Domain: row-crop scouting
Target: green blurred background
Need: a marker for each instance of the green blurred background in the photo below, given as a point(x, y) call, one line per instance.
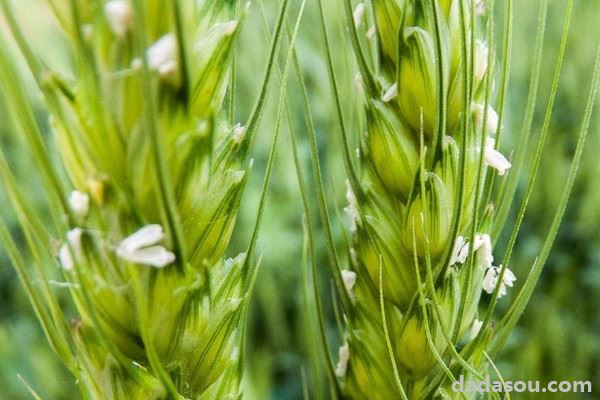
point(557, 339)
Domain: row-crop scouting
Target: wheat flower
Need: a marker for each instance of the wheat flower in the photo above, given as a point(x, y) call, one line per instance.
point(491, 280)
point(141, 247)
point(343, 357)
point(479, 111)
point(475, 328)
point(390, 93)
point(119, 15)
point(71, 251)
point(79, 203)
point(349, 278)
point(162, 55)
point(495, 159)
point(460, 251)
point(359, 14)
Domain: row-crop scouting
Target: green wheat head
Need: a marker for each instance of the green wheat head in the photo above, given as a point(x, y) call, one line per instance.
point(429, 199)
point(422, 157)
point(153, 174)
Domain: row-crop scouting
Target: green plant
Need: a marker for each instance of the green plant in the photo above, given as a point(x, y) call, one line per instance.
point(429, 199)
point(143, 198)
